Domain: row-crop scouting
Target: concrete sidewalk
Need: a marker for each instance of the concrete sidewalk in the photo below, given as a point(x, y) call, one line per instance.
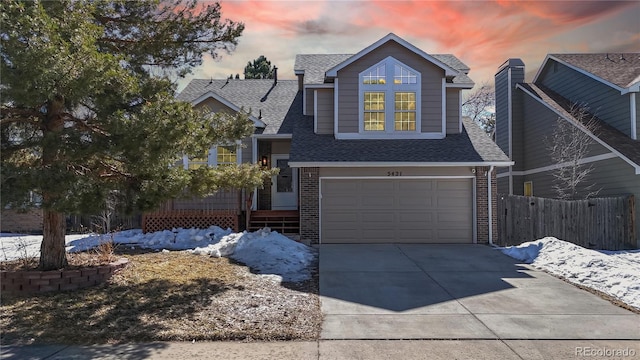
point(338, 350)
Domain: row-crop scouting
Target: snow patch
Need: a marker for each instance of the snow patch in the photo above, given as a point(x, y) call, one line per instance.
point(616, 273)
point(267, 252)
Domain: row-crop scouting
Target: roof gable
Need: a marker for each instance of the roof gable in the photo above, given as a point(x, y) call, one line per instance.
point(619, 71)
point(274, 106)
point(449, 70)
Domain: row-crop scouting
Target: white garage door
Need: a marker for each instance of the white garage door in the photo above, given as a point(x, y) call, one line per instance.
point(396, 210)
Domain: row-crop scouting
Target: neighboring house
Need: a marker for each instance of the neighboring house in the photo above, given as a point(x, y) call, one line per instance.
point(526, 114)
point(371, 147)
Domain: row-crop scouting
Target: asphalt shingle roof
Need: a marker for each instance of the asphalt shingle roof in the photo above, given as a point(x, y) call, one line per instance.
point(280, 105)
point(316, 65)
point(472, 145)
point(605, 132)
point(620, 69)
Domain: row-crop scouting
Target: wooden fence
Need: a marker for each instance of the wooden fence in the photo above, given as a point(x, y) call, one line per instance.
point(598, 223)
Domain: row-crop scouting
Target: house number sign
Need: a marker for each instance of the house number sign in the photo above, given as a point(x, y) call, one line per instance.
point(394, 173)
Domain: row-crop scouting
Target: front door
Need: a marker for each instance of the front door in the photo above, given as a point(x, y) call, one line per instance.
point(284, 188)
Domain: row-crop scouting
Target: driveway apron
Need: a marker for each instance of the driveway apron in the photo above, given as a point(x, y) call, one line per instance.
point(396, 291)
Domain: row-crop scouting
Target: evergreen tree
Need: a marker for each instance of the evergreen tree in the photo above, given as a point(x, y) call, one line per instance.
point(88, 109)
point(260, 68)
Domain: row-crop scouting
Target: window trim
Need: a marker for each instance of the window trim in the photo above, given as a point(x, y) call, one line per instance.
point(390, 89)
point(212, 155)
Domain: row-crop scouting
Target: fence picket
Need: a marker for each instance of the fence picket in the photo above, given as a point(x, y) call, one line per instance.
point(600, 223)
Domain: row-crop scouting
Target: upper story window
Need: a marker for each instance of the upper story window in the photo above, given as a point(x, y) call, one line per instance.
point(375, 75)
point(389, 95)
point(217, 156)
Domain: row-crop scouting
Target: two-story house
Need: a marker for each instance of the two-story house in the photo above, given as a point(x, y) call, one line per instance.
point(607, 85)
point(372, 147)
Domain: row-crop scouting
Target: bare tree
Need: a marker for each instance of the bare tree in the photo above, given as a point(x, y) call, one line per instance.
point(567, 146)
point(479, 105)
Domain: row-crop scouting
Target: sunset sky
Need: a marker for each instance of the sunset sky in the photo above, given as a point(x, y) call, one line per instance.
point(483, 34)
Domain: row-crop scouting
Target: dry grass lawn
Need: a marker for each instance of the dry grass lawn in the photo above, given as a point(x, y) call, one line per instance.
point(168, 296)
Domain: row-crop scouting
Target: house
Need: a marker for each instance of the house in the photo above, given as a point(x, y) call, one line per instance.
point(372, 146)
point(526, 114)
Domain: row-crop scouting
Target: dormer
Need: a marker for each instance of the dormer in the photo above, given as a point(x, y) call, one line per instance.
point(389, 90)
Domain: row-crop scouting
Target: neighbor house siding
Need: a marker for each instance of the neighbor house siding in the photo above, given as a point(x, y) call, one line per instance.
point(601, 100)
point(539, 127)
point(453, 111)
point(431, 92)
point(612, 177)
point(324, 115)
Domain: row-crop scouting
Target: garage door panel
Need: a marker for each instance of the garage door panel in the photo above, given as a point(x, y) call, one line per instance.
point(396, 210)
point(341, 202)
point(380, 234)
point(380, 201)
point(415, 201)
point(453, 184)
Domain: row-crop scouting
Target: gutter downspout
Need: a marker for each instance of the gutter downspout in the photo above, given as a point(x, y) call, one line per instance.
point(490, 202)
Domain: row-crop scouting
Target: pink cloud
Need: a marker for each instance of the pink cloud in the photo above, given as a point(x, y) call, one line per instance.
point(481, 33)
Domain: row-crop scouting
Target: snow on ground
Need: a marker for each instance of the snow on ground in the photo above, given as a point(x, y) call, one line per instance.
point(267, 252)
point(616, 273)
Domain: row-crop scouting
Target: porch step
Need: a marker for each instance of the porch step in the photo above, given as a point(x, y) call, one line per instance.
point(282, 221)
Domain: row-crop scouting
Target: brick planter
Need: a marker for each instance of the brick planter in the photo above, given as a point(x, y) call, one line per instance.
point(32, 282)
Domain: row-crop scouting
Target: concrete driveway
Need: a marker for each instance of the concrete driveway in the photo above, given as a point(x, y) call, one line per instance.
point(388, 291)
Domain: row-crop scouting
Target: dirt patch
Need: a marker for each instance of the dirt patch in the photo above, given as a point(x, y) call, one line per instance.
point(174, 296)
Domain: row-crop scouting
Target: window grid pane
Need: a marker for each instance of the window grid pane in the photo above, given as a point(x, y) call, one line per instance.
point(404, 76)
point(375, 76)
point(405, 111)
point(226, 155)
point(374, 121)
point(196, 163)
point(374, 111)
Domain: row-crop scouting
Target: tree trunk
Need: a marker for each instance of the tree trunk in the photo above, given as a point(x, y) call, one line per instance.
point(52, 251)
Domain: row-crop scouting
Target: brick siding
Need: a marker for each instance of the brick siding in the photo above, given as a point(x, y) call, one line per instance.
point(309, 205)
point(481, 205)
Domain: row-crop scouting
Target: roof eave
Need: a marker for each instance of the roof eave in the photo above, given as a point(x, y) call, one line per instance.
point(397, 163)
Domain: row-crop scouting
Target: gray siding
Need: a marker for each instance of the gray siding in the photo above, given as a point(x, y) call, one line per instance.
point(603, 101)
point(325, 111)
point(308, 109)
point(453, 111)
point(431, 93)
point(539, 127)
point(247, 150)
point(281, 146)
point(613, 176)
point(637, 116)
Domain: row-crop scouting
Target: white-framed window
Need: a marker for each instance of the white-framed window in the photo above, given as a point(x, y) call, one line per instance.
point(389, 94)
point(219, 155)
point(528, 188)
